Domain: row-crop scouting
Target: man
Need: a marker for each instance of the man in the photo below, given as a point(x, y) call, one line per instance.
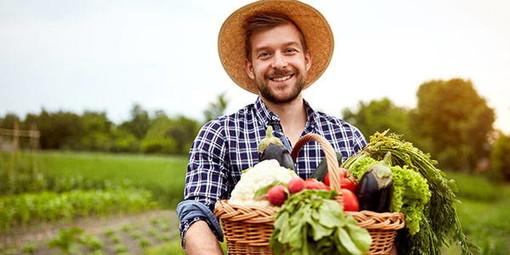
point(274, 49)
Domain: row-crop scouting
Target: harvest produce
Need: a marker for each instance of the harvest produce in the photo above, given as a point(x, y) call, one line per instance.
point(347, 181)
point(263, 175)
point(430, 223)
point(310, 222)
point(276, 195)
point(350, 201)
point(296, 185)
point(375, 187)
point(272, 148)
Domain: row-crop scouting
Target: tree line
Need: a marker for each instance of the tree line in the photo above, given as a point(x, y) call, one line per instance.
point(451, 121)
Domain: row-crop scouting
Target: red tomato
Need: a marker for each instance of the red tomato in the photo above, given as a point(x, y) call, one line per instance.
point(350, 201)
point(346, 180)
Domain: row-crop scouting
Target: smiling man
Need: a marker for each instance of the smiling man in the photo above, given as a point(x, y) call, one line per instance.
point(274, 49)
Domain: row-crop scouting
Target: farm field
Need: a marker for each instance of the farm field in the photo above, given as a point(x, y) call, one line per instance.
point(152, 229)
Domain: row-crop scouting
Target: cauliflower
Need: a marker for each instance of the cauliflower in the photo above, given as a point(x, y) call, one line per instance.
point(259, 176)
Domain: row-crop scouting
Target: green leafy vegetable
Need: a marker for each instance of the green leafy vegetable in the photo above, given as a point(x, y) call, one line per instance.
point(440, 224)
point(310, 222)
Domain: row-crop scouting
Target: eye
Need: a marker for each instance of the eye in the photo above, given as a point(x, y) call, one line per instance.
point(263, 55)
point(290, 50)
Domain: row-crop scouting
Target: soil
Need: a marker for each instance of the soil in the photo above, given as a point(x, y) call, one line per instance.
point(40, 234)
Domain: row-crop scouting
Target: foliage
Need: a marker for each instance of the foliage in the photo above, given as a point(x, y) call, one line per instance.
point(139, 122)
point(484, 213)
point(379, 115)
point(66, 240)
point(441, 225)
point(162, 175)
point(93, 131)
point(216, 109)
point(22, 173)
point(454, 123)
point(28, 208)
point(500, 157)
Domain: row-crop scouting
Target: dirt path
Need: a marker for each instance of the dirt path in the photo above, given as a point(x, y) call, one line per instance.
point(91, 225)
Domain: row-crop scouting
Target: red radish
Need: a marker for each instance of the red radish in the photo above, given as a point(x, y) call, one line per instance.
point(312, 183)
point(276, 195)
point(296, 185)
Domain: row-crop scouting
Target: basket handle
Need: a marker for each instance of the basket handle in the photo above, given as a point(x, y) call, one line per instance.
point(333, 167)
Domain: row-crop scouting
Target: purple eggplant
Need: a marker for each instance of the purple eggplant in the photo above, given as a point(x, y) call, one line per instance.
point(375, 187)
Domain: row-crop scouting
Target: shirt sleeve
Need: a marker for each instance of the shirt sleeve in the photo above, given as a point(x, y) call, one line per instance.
point(207, 171)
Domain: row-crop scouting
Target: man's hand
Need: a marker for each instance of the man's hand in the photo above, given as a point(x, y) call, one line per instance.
point(199, 239)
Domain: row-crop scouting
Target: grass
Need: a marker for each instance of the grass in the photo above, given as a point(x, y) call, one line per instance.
point(483, 210)
point(162, 175)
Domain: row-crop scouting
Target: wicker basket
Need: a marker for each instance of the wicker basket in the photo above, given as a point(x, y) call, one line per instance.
point(247, 229)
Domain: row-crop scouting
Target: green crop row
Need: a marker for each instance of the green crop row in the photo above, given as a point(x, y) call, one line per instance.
point(25, 209)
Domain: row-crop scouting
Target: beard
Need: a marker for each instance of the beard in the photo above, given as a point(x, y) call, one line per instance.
point(271, 96)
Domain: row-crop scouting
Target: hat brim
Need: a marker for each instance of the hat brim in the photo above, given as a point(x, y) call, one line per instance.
point(315, 28)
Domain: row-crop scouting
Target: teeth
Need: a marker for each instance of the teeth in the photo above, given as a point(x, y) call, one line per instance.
point(284, 78)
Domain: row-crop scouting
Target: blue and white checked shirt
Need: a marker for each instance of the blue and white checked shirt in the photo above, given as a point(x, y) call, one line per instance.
point(228, 145)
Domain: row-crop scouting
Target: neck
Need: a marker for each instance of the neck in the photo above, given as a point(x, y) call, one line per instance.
point(292, 117)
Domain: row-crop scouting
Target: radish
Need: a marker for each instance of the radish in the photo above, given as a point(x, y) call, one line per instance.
point(296, 185)
point(276, 195)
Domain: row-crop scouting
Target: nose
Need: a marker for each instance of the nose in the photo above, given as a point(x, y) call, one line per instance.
point(279, 61)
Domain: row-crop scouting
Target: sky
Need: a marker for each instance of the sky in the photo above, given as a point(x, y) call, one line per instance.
point(107, 55)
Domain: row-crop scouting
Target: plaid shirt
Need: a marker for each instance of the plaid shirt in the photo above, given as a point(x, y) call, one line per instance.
point(228, 145)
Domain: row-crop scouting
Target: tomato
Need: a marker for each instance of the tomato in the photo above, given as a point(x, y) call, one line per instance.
point(346, 180)
point(351, 203)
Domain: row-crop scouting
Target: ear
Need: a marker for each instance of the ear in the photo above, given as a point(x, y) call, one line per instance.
point(248, 66)
point(308, 60)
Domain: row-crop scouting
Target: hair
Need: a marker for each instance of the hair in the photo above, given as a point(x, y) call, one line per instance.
point(265, 21)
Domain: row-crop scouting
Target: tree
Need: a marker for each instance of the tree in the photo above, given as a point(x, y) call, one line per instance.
point(379, 115)
point(97, 131)
point(453, 122)
point(500, 160)
point(216, 109)
point(139, 122)
point(60, 130)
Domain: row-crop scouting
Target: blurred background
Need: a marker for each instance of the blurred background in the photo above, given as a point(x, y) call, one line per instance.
point(100, 101)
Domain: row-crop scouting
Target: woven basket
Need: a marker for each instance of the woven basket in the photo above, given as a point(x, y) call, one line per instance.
point(247, 229)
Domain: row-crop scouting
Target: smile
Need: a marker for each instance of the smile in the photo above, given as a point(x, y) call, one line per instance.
point(283, 78)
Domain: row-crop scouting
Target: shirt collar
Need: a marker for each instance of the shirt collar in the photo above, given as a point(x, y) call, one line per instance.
point(266, 117)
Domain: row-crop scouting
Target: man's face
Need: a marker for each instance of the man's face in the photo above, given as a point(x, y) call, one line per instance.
point(279, 64)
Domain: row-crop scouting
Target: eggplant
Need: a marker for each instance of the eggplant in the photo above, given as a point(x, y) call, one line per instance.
point(271, 147)
point(375, 187)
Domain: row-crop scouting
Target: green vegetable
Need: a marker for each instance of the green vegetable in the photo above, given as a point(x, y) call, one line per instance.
point(310, 222)
point(440, 224)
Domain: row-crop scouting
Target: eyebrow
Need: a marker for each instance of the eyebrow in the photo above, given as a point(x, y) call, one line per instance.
point(292, 43)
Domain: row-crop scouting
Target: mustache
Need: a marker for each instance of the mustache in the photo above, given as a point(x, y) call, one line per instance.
point(282, 72)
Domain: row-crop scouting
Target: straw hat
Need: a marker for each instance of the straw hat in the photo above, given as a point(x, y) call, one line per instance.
point(316, 30)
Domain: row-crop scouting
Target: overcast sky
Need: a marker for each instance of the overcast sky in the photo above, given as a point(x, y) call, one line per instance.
point(106, 55)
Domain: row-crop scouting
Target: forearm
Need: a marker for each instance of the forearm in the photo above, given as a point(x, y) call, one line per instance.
point(199, 239)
